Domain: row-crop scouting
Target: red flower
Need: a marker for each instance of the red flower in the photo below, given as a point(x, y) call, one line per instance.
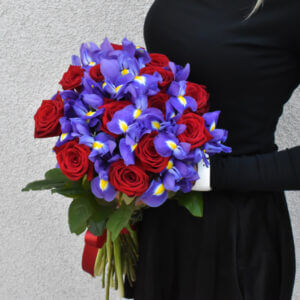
point(95, 73)
point(72, 78)
point(110, 108)
point(158, 60)
point(166, 75)
point(199, 93)
point(195, 133)
point(159, 101)
point(117, 46)
point(131, 180)
point(73, 160)
point(47, 118)
point(148, 158)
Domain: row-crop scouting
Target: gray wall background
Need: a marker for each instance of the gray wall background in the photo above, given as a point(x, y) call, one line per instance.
point(39, 258)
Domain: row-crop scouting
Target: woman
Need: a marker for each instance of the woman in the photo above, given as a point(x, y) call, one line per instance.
point(243, 247)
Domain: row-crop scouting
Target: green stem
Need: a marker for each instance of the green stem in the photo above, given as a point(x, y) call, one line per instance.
point(109, 259)
point(118, 266)
point(133, 236)
point(98, 262)
point(103, 267)
point(108, 281)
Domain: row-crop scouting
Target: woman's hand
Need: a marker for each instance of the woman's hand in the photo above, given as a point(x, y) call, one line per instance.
point(203, 183)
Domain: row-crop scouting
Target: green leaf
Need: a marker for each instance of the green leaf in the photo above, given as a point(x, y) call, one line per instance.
point(56, 175)
point(127, 199)
point(193, 202)
point(96, 227)
point(42, 185)
point(70, 192)
point(97, 221)
point(119, 219)
point(80, 211)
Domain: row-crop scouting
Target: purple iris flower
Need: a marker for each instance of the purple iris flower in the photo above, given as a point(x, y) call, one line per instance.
point(91, 116)
point(195, 156)
point(177, 174)
point(219, 135)
point(178, 101)
point(69, 98)
point(66, 131)
point(90, 86)
point(139, 53)
point(167, 145)
point(142, 57)
point(101, 144)
point(145, 84)
point(115, 83)
point(121, 120)
point(88, 54)
point(180, 73)
point(76, 60)
point(93, 100)
point(156, 194)
point(79, 127)
point(152, 119)
point(101, 187)
point(127, 147)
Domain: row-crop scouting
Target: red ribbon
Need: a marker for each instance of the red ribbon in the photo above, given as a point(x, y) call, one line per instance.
point(92, 245)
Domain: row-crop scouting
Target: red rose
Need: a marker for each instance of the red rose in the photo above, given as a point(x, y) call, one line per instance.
point(47, 118)
point(73, 160)
point(166, 75)
point(199, 93)
point(72, 78)
point(110, 108)
point(195, 133)
point(95, 73)
point(131, 180)
point(159, 60)
point(159, 101)
point(148, 158)
point(117, 46)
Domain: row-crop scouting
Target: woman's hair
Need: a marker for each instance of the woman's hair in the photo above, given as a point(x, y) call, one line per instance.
point(255, 8)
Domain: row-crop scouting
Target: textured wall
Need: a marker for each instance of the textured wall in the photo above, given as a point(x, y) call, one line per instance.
point(39, 258)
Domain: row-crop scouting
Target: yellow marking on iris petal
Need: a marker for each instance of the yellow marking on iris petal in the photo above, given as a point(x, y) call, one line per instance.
point(155, 125)
point(170, 164)
point(90, 113)
point(182, 100)
point(137, 113)
point(133, 147)
point(103, 184)
point(63, 136)
point(204, 150)
point(97, 145)
point(172, 145)
point(92, 63)
point(92, 86)
point(103, 84)
point(159, 190)
point(140, 79)
point(125, 71)
point(123, 125)
point(118, 88)
point(173, 115)
point(212, 126)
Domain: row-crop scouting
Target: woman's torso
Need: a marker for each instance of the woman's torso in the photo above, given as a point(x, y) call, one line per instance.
point(250, 67)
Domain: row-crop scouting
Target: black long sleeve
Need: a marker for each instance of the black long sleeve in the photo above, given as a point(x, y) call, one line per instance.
point(274, 171)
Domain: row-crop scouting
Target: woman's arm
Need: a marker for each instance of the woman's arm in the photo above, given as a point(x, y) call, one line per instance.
point(275, 171)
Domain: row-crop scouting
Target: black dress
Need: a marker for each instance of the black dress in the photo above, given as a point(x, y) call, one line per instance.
point(243, 247)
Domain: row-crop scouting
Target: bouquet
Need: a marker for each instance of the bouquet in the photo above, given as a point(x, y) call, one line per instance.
point(131, 131)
